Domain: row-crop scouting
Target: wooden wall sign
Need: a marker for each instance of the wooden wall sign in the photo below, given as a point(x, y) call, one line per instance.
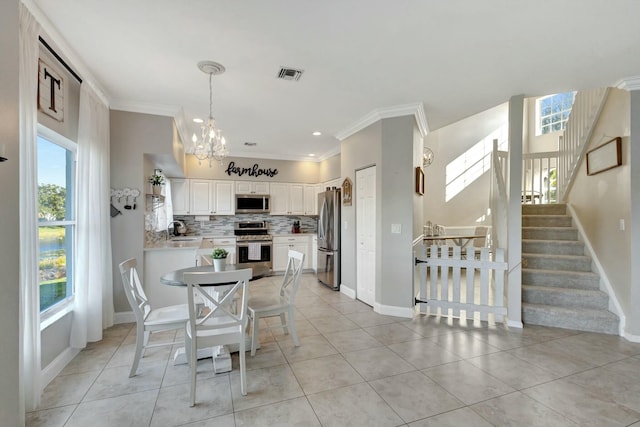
point(347, 189)
point(50, 91)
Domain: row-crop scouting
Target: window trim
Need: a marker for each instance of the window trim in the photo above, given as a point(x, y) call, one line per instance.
point(538, 115)
point(66, 305)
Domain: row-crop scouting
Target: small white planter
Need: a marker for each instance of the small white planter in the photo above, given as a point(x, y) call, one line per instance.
point(219, 264)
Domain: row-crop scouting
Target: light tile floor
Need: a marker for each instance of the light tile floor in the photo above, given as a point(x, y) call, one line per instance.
point(357, 368)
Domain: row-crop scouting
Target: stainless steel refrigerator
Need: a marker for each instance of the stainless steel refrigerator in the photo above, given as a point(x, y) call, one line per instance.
point(329, 238)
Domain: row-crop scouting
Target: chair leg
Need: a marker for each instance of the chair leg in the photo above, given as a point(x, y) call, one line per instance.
point(243, 369)
point(254, 333)
point(292, 325)
point(193, 365)
point(140, 339)
point(283, 322)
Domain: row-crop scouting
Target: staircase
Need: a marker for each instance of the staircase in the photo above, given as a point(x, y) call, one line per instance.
point(559, 288)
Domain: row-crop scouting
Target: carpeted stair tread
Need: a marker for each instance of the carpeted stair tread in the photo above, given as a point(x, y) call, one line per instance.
point(582, 319)
point(561, 278)
point(565, 297)
point(566, 247)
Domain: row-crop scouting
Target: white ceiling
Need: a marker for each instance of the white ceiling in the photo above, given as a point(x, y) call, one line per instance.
point(456, 57)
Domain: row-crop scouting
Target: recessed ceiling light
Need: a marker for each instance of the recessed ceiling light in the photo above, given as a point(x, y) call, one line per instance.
point(317, 133)
point(250, 144)
point(312, 155)
point(198, 120)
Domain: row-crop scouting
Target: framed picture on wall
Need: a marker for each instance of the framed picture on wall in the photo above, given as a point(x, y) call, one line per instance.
point(606, 156)
point(419, 181)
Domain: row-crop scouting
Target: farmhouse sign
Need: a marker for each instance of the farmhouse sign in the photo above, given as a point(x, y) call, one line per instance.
point(254, 171)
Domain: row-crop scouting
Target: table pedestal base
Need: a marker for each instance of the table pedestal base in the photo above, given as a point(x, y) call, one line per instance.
point(221, 355)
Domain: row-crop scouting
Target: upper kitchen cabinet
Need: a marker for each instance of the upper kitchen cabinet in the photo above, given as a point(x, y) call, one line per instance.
point(224, 198)
point(209, 197)
point(311, 199)
point(287, 199)
point(251, 187)
point(180, 196)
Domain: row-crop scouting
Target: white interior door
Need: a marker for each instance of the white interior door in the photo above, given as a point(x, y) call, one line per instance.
point(366, 235)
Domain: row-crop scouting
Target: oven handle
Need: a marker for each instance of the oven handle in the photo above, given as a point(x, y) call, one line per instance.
point(246, 245)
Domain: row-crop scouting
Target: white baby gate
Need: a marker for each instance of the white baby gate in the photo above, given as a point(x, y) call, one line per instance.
point(441, 271)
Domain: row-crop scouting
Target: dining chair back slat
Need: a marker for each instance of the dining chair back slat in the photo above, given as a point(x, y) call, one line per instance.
point(215, 321)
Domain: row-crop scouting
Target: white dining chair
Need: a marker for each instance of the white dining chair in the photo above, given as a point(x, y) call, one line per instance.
point(281, 304)
point(148, 320)
point(216, 323)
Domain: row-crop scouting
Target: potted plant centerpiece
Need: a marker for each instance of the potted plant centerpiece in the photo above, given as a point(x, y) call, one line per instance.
point(219, 256)
point(157, 181)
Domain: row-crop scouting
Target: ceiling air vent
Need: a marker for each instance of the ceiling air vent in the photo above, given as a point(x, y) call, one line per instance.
point(290, 74)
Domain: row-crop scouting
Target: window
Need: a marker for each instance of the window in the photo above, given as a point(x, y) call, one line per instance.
point(552, 112)
point(56, 218)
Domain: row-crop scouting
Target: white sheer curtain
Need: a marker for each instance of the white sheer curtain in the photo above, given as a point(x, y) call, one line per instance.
point(93, 309)
point(29, 285)
point(164, 212)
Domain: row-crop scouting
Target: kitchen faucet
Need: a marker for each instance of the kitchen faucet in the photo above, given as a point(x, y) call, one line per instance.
point(180, 228)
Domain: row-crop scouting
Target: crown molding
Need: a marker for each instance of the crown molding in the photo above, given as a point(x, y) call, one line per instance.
point(145, 107)
point(629, 83)
point(414, 109)
point(329, 154)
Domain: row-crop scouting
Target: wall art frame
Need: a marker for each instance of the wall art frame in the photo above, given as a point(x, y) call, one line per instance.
point(604, 157)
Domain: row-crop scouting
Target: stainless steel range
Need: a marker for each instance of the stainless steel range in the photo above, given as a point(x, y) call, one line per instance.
point(254, 247)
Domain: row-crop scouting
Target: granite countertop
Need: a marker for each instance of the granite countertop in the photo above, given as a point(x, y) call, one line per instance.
point(188, 242)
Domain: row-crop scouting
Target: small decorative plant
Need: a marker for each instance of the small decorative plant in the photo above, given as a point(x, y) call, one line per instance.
point(219, 253)
point(156, 179)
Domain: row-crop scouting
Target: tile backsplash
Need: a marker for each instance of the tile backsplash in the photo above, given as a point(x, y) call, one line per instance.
point(223, 225)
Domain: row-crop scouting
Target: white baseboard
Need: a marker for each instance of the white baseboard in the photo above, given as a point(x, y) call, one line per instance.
point(348, 291)
point(605, 284)
point(514, 324)
point(124, 317)
point(390, 310)
point(57, 365)
point(631, 337)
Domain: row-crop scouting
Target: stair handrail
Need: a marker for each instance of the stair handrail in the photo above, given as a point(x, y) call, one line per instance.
point(585, 112)
point(499, 200)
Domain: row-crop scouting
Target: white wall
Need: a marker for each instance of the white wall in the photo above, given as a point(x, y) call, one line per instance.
point(132, 136)
point(358, 151)
point(11, 405)
point(329, 169)
point(389, 145)
point(602, 200)
point(448, 143)
point(288, 170)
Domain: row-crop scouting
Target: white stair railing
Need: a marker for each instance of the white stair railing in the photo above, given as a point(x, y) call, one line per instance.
point(499, 201)
point(539, 177)
point(584, 115)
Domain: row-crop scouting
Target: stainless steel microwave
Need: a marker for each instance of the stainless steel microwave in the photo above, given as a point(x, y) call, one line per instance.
point(252, 203)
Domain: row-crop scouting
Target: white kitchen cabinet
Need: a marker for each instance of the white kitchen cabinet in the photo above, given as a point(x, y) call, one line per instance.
point(287, 199)
point(252, 187)
point(281, 247)
point(310, 200)
point(337, 182)
point(200, 191)
point(223, 198)
point(208, 197)
point(180, 196)
point(296, 199)
point(279, 198)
